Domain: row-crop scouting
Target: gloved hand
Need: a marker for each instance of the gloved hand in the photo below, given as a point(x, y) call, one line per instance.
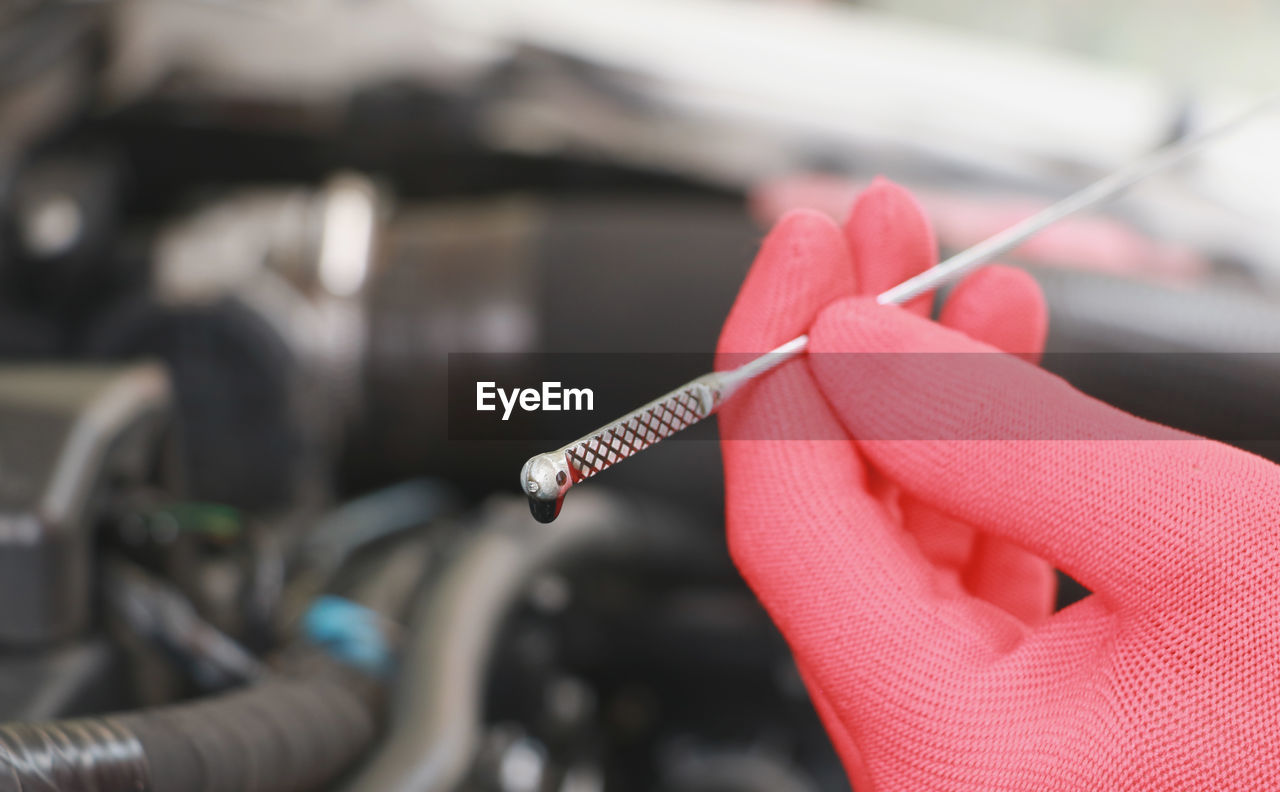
point(892, 524)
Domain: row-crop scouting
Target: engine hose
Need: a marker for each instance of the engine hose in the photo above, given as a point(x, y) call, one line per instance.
point(438, 700)
point(278, 736)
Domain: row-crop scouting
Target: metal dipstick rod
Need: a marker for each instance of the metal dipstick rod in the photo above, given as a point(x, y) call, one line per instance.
point(546, 477)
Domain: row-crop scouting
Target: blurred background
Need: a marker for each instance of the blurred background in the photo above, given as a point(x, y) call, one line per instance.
point(239, 241)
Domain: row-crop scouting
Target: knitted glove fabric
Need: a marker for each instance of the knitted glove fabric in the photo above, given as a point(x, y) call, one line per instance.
point(892, 520)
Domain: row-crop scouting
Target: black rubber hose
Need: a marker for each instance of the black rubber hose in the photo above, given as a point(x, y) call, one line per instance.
point(87, 754)
point(278, 736)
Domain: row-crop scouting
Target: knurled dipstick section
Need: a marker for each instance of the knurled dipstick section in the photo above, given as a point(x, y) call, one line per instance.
point(632, 434)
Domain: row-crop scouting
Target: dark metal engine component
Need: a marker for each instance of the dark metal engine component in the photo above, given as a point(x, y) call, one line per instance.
point(255, 306)
point(67, 435)
point(436, 720)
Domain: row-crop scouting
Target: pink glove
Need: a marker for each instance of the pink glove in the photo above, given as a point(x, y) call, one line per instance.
point(895, 566)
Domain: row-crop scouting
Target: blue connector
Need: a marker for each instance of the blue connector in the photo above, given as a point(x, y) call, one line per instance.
point(352, 633)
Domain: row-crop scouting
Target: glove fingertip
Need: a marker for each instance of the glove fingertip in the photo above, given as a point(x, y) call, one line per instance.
point(1001, 306)
point(802, 264)
point(886, 196)
point(891, 239)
